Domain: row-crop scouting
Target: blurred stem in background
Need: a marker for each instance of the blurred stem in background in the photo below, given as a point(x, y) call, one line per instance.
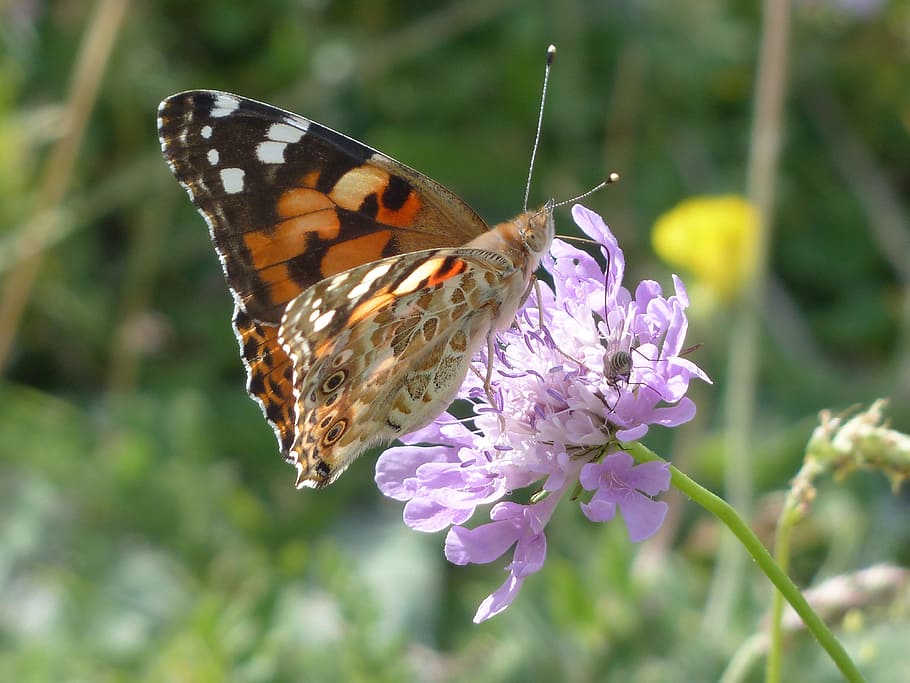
point(739, 400)
point(94, 54)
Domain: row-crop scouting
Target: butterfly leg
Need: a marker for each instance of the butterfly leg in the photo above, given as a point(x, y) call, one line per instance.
point(487, 377)
point(488, 380)
point(536, 286)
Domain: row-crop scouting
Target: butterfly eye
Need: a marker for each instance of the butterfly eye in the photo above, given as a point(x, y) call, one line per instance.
point(532, 239)
point(335, 432)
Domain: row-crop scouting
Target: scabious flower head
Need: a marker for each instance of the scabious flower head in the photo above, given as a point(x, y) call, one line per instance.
point(602, 368)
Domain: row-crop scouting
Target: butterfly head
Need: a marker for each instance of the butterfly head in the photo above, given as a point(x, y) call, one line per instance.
point(538, 230)
point(523, 240)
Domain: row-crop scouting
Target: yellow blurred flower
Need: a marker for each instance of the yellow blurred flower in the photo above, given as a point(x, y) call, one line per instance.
point(713, 238)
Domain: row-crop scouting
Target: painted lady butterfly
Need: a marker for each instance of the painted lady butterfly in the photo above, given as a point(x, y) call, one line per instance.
point(362, 288)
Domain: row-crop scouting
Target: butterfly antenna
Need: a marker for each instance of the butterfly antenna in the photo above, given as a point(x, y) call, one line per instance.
point(580, 240)
point(551, 53)
point(612, 178)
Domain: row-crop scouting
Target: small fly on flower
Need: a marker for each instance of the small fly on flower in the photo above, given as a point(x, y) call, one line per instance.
point(625, 353)
point(619, 345)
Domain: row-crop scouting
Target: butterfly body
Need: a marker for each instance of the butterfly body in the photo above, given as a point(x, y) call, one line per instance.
point(362, 288)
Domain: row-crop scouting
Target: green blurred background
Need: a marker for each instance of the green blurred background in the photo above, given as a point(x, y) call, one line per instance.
point(148, 529)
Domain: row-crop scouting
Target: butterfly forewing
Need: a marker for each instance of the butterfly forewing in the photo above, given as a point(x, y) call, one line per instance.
point(290, 202)
point(270, 376)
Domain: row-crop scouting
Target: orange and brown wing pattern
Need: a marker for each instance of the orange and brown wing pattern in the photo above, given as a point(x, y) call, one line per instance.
point(290, 202)
point(270, 376)
point(415, 324)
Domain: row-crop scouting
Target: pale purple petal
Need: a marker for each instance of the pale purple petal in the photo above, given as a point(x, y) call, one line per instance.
point(643, 517)
point(599, 509)
point(481, 545)
point(675, 415)
point(648, 293)
point(676, 331)
point(499, 600)
point(632, 434)
point(432, 433)
point(571, 262)
point(422, 514)
point(530, 553)
point(681, 294)
point(649, 477)
point(592, 225)
point(397, 465)
point(617, 481)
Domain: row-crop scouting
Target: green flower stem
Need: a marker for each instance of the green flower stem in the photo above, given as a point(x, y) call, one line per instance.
point(726, 514)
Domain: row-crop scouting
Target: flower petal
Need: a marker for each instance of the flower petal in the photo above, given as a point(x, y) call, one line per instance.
point(481, 545)
point(649, 477)
point(643, 516)
point(399, 464)
point(422, 514)
point(499, 600)
point(599, 509)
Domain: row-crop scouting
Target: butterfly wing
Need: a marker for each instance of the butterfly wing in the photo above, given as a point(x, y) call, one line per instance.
point(416, 322)
point(288, 203)
point(270, 377)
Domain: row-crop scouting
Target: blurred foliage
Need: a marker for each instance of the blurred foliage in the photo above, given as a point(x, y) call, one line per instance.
point(148, 530)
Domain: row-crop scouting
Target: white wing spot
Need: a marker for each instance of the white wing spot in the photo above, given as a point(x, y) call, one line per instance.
point(323, 320)
point(206, 132)
point(317, 303)
point(271, 152)
point(232, 180)
point(359, 291)
point(337, 281)
point(213, 157)
point(315, 314)
point(224, 105)
point(282, 132)
point(368, 280)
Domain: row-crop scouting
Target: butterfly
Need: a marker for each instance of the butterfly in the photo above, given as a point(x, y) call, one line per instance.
point(362, 288)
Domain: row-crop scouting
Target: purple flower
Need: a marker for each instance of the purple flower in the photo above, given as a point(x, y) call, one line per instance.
point(563, 397)
point(616, 481)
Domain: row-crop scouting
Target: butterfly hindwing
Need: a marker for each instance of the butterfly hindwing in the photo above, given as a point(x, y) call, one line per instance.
point(417, 322)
